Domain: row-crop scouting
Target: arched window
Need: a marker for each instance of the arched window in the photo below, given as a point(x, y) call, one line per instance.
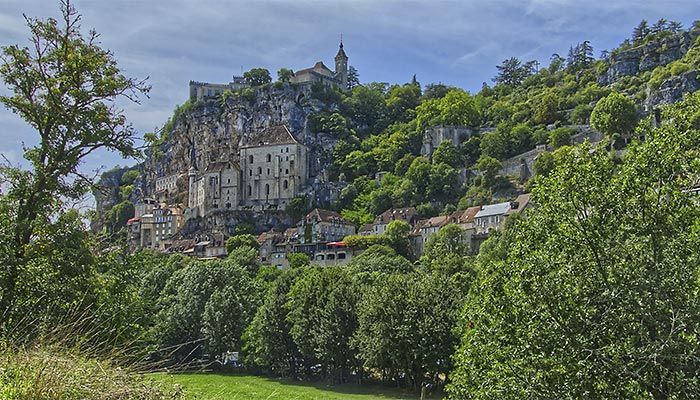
point(250, 190)
point(250, 159)
point(267, 190)
point(268, 171)
point(269, 158)
point(259, 170)
point(285, 184)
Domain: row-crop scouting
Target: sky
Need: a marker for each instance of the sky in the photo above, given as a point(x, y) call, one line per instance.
point(457, 43)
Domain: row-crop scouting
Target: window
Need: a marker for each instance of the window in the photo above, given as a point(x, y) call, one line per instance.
point(291, 164)
point(286, 158)
point(269, 158)
point(268, 171)
point(259, 170)
point(286, 171)
point(341, 256)
point(267, 190)
point(331, 257)
point(250, 159)
point(229, 180)
point(251, 172)
point(285, 184)
point(250, 189)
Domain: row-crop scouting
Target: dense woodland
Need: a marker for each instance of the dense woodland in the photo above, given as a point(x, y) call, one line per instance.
point(590, 294)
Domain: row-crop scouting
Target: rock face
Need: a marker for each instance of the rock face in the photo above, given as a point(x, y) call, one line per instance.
point(211, 130)
point(672, 90)
point(647, 57)
point(107, 194)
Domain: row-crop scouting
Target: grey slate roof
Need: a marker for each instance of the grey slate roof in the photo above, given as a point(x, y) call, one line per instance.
point(278, 134)
point(493, 209)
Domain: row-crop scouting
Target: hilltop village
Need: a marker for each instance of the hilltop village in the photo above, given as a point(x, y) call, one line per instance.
point(271, 168)
point(268, 158)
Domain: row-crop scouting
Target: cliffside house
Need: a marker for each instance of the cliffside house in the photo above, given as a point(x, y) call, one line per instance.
point(407, 214)
point(274, 168)
point(322, 226)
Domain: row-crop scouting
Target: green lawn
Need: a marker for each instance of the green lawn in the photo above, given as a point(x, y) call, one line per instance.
point(210, 386)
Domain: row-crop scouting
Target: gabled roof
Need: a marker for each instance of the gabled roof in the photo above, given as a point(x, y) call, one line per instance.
point(467, 215)
point(321, 215)
point(519, 204)
point(367, 228)
point(277, 134)
point(407, 214)
point(318, 67)
point(439, 221)
point(493, 209)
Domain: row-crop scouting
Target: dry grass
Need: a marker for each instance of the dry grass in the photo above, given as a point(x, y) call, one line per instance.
point(46, 372)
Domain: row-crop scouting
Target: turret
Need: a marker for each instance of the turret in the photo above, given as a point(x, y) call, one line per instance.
point(341, 66)
point(191, 189)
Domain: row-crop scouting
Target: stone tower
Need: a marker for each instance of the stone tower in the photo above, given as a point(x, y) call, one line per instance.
point(341, 66)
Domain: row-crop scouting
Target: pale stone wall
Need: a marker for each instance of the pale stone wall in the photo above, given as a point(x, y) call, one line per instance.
point(273, 174)
point(166, 183)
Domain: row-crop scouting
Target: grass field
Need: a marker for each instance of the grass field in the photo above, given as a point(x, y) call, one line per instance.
point(210, 386)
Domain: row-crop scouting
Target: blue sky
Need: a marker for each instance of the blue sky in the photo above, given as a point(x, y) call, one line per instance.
point(454, 42)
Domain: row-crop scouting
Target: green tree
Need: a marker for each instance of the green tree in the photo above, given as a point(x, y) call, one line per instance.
point(353, 77)
point(614, 115)
point(367, 109)
point(405, 325)
point(489, 167)
point(560, 137)
point(511, 72)
point(285, 75)
point(323, 319)
point(244, 240)
point(268, 343)
point(401, 102)
point(593, 293)
point(397, 232)
point(209, 302)
point(64, 86)
point(298, 260)
point(257, 77)
point(447, 153)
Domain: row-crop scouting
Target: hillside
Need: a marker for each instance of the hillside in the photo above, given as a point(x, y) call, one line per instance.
point(366, 146)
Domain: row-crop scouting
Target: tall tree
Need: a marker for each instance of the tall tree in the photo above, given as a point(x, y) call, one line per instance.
point(64, 86)
point(593, 294)
point(511, 72)
point(285, 74)
point(353, 77)
point(257, 76)
point(614, 115)
point(640, 32)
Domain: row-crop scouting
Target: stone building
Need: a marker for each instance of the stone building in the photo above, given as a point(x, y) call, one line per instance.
point(432, 137)
point(320, 226)
point(274, 168)
point(407, 214)
point(155, 228)
point(320, 73)
point(201, 90)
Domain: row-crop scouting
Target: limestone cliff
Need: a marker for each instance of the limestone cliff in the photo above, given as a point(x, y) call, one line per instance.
point(651, 59)
point(210, 130)
point(647, 57)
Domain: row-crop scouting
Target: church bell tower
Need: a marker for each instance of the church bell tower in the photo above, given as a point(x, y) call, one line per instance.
point(341, 66)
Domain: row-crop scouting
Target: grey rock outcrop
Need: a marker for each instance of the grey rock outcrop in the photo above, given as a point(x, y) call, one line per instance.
point(647, 57)
point(672, 90)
